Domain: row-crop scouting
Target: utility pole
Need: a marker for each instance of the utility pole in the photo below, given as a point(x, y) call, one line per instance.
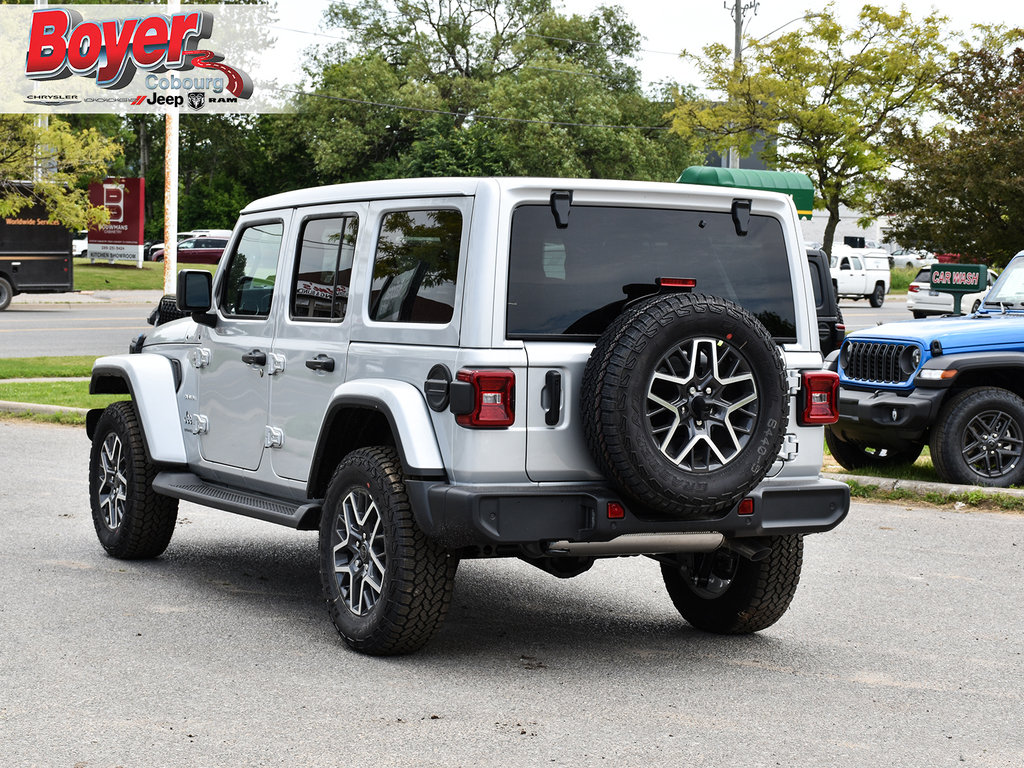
point(171, 134)
point(738, 9)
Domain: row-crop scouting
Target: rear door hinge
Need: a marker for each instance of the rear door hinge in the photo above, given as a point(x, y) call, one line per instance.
point(794, 380)
point(790, 447)
point(273, 438)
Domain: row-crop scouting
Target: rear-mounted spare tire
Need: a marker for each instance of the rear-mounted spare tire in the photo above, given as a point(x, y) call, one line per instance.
point(685, 404)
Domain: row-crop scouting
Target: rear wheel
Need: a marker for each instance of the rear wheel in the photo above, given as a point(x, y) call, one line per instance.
point(387, 585)
point(726, 593)
point(6, 293)
point(877, 297)
point(857, 455)
point(132, 520)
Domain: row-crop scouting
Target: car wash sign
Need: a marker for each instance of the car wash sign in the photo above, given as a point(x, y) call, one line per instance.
point(120, 239)
point(959, 279)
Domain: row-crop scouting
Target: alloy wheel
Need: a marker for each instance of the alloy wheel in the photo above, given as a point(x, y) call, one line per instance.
point(359, 552)
point(113, 481)
point(992, 444)
point(702, 404)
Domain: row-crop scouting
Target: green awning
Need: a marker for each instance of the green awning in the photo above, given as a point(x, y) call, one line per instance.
point(796, 185)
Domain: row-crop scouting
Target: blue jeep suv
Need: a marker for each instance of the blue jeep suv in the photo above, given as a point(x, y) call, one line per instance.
point(953, 383)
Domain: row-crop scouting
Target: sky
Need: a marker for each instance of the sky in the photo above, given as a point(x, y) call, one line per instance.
point(670, 27)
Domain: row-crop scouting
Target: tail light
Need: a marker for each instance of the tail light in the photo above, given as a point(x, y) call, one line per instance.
point(492, 401)
point(913, 288)
point(819, 398)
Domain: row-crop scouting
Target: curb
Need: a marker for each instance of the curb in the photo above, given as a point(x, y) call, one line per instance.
point(12, 407)
point(922, 488)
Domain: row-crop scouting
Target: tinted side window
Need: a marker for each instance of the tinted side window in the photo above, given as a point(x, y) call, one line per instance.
point(249, 286)
point(326, 247)
point(576, 281)
point(415, 267)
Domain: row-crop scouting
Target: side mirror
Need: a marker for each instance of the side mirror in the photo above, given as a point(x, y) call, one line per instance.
point(195, 295)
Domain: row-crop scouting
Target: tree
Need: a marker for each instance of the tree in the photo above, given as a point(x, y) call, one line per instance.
point(60, 161)
point(963, 190)
point(503, 87)
point(832, 99)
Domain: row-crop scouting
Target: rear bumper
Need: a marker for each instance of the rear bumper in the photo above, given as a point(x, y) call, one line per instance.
point(490, 517)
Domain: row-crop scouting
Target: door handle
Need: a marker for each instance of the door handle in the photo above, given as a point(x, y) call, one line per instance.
point(321, 363)
point(553, 385)
point(255, 357)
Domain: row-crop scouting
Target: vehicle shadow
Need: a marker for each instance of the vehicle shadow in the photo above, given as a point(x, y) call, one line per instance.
point(502, 610)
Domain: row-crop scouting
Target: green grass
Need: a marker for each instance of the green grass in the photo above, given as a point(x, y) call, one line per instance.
point(103, 276)
point(901, 278)
point(69, 394)
point(974, 500)
point(36, 367)
point(61, 417)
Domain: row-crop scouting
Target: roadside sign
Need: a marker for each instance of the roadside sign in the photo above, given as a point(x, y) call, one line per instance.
point(121, 238)
point(958, 279)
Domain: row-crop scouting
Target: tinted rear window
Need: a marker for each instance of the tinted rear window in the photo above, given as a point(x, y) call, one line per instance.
point(575, 281)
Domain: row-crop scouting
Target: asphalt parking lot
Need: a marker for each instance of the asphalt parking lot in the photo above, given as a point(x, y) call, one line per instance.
point(902, 648)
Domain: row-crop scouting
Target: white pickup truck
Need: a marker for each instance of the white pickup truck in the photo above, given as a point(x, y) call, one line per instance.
point(860, 273)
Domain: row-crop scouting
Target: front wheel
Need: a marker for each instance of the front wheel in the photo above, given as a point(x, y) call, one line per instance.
point(979, 438)
point(132, 520)
point(877, 297)
point(728, 594)
point(387, 585)
point(859, 455)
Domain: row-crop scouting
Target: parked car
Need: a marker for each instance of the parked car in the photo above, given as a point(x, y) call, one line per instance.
point(903, 258)
point(859, 273)
point(80, 244)
point(199, 250)
point(157, 249)
point(922, 301)
point(831, 329)
point(429, 370)
point(955, 384)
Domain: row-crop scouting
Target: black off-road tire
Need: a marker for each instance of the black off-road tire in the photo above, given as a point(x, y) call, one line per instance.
point(877, 297)
point(728, 594)
point(6, 294)
point(978, 438)
point(859, 455)
point(132, 521)
point(387, 586)
point(650, 425)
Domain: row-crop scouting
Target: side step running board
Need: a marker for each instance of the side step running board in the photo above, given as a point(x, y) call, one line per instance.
point(190, 487)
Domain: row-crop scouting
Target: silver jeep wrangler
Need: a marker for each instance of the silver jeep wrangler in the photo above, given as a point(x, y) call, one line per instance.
point(435, 369)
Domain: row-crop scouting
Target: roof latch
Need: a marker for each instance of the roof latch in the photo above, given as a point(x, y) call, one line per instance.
point(741, 216)
point(561, 202)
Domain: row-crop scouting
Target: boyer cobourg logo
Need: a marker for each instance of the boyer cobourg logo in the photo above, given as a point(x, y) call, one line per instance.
point(114, 51)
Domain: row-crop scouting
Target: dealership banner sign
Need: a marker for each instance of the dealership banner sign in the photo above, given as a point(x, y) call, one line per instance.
point(136, 58)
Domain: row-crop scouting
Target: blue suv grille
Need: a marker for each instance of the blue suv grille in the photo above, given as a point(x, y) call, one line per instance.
point(873, 362)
